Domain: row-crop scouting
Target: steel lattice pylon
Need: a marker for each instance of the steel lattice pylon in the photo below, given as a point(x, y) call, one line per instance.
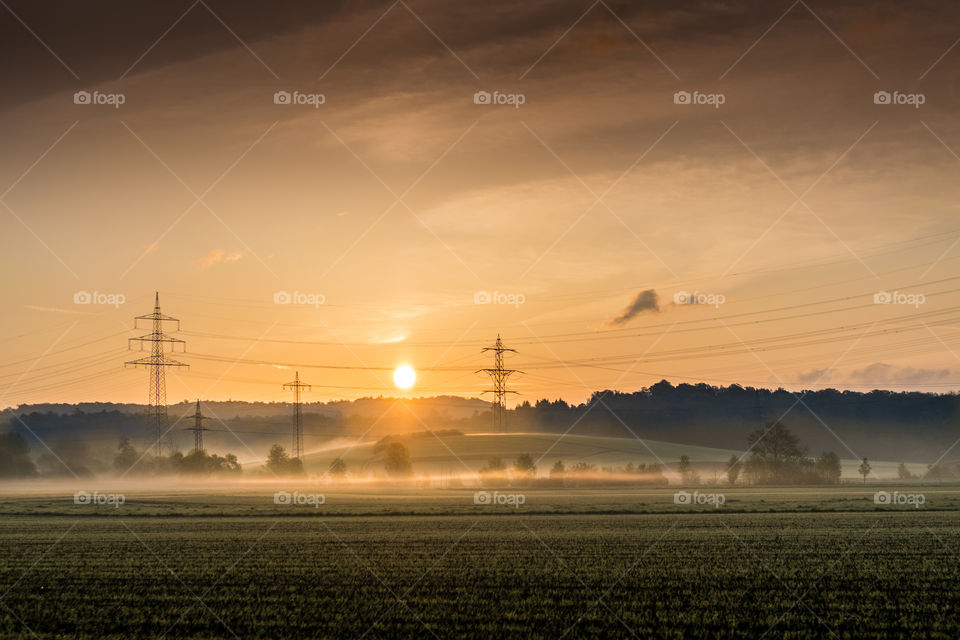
point(296, 385)
point(157, 362)
point(498, 375)
point(198, 428)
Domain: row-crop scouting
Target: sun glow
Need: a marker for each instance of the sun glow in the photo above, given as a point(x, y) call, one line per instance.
point(404, 376)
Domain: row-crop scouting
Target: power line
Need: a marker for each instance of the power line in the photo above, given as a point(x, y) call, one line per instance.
point(157, 362)
point(198, 428)
point(296, 386)
point(498, 375)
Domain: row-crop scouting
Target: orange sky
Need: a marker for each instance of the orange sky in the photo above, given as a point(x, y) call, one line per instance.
point(400, 204)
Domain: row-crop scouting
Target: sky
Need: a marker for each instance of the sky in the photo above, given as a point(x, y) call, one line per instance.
point(761, 193)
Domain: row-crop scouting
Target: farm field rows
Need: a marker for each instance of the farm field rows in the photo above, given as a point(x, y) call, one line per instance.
point(716, 574)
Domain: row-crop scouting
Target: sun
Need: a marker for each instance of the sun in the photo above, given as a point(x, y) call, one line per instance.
point(404, 376)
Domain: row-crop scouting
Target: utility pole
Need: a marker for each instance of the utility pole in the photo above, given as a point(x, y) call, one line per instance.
point(296, 386)
point(198, 428)
point(157, 362)
point(498, 375)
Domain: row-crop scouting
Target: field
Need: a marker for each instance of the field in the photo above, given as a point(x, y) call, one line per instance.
point(469, 452)
point(768, 563)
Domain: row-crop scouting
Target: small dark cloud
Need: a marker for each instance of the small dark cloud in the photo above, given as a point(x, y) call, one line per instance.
point(646, 300)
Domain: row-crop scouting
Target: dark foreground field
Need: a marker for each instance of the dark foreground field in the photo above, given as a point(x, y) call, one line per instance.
point(773, 575)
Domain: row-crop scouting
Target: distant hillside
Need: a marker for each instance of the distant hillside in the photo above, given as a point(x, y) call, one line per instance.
point(882, 425)
point(464, 453)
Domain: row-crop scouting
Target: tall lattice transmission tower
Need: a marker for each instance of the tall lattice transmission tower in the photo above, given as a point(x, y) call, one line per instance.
point(296, 386)
point(198, 428)
point(498, 375)
point(157, 362)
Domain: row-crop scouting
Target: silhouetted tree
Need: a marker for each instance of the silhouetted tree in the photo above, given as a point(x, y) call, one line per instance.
point(524, 466)
point(15, 459)
point(338, 467)
point(396, 459)
point(734, 467)
point(865, 470)
point(828, 467)
point(775, 455)
point(126, 456)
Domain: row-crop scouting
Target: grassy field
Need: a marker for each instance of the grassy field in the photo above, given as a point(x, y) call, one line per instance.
point(769, 563)
point(468, 453)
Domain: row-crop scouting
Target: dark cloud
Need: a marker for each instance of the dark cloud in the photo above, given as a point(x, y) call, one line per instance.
point(646, 300)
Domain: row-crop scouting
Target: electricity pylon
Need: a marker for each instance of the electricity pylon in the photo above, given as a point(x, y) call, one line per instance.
point(498, 375)
point(198, 428)
point(296, 386)
point(157, 362)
